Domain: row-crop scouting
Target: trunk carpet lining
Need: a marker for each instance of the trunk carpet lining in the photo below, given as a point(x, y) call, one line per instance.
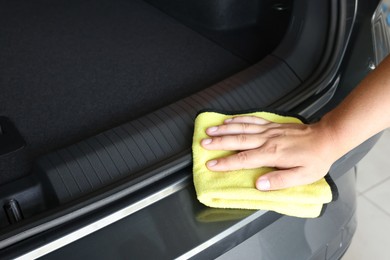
point(70, 69)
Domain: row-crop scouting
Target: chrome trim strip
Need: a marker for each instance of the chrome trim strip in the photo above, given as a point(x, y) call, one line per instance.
point(103, 222)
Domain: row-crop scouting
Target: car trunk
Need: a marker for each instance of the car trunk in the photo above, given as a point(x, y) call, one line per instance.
point(98, 97)
point(72, 69)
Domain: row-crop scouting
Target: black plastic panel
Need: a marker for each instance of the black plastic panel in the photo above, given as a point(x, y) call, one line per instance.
point(303, 47)
point(14, 162)
point(125, 150)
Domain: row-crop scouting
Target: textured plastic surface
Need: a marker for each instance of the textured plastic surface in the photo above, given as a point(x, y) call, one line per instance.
point(125, 150)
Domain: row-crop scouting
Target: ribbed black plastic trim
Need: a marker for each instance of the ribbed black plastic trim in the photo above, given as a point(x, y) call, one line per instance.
point(127, 149)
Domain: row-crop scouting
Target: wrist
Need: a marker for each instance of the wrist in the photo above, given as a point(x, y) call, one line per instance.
point(328, 141)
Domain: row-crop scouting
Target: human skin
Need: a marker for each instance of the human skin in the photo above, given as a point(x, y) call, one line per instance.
point(303, 153)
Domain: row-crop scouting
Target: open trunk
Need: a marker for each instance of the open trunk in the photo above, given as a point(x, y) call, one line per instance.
point(73, 69)
point(98, 97)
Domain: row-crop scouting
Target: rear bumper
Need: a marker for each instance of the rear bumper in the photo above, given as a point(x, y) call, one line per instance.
point(170, 223)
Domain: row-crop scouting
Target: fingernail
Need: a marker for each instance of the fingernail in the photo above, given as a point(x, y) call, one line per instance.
point(228, 120)
point(212, 163)
point(212, 129)
point(207, 141)
point(263, 184)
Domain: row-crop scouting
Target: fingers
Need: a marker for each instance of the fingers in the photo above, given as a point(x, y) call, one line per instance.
point(275, 180)
point(242, 125)
point(239, 137)
point(281, 179)
point(233, 142)
point(248, 120)
point(240, 133)
point(239, 125)
point(233, 129)
point(244, 160)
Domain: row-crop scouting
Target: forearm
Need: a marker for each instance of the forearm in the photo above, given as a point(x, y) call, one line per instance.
point(364, 113)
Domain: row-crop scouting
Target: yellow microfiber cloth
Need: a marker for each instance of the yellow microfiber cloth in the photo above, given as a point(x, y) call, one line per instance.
point(236, 189)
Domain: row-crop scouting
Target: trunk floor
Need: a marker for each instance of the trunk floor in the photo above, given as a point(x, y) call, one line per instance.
point(70, 69)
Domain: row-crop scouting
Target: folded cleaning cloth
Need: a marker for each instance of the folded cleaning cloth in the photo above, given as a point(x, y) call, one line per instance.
point(236, 189)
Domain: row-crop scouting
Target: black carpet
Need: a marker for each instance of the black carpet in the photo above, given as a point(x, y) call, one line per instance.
point(72, 68)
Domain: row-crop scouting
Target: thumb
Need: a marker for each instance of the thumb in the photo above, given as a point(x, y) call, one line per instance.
point(279, 179)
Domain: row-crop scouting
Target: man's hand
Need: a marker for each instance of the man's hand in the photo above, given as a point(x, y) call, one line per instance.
point(301, 154)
